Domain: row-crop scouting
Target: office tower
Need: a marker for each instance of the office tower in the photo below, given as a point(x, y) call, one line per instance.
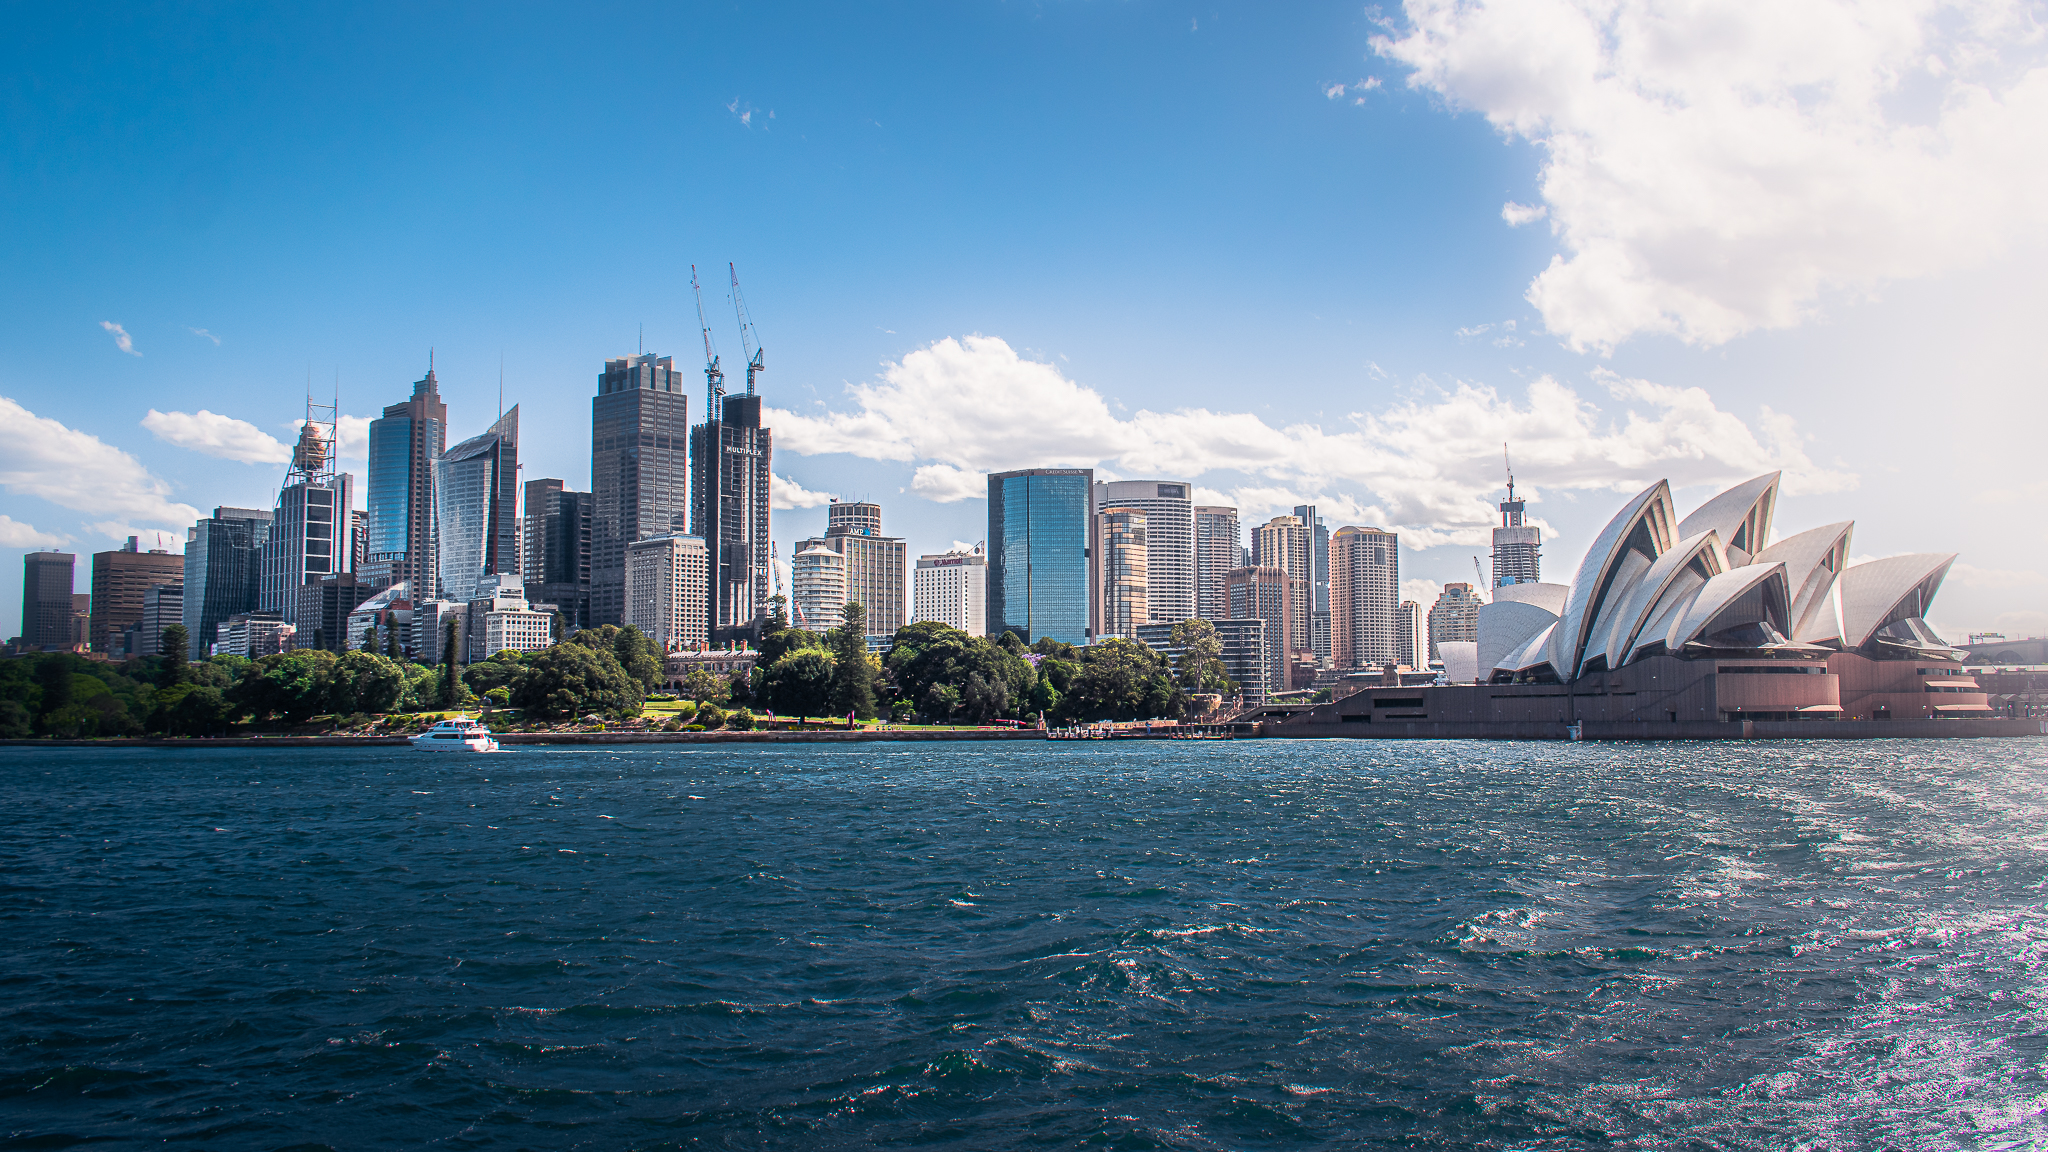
point(730, 457)
point(1454, 616)
point(1319, 580)
point(817, 579)
point(639, 469)
point(430, 619)
point(46, 579)
point(404, 443)
point(1040, 572)
point(223, 571)
point(668, 590)
point(952, 588)
point(309, 536)
point(874, 563)
point(1271, 595)
point(500, 619)
point(252, 634)
point(1411, 635)
point(1286, 543)
point(1516, 546)
point(1365, 586)
point(1247, 661)
point(358, 538)
point(556, 559)
point(1121, 565)
point(323, 607)
point(476, 508)
point(1218, 549)
point(78, 630)
point(119, 581)
point(1170, 582)
point(162, 606)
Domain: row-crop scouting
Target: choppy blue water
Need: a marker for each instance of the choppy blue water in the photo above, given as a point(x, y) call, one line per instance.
point(1247, 945)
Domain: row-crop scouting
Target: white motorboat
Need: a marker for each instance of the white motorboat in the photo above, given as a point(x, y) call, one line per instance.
point(456, 734)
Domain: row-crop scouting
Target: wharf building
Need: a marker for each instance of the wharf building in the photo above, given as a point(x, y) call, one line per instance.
point(1700, 627)
point(46, 599)
point(952, 588)
point(1041, 578)
point(1517, 547)
point(875, 566)
point(1218, 548)
point(639, 472)
point(1246, 656)
point(1171, 587)
point(476, 508)
point(1269, 595)
point(309, 529)
point(1286, 543)
point(1121, 564)
point(817, 577)
point(404, 442)
point(223, 571)
point(1365, 591)
point(667, 588)
point(121, 581)
point(554, 560)
point(1319, 586)
point(731, 455)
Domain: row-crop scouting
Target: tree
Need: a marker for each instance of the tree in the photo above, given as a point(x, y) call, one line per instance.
point(639, 656)
point(291, 684)
point(1123, 680)
point(799, 683)
point(362, 682)
point(774, 644)
point(370, 638)
point(929, 653)
point(201, 711)
point(174, 647)
point(391, 649)
point(1201, 657)
point(53, 676)
point(500, 670)
point(700, 685)
point(572, 679)
point(451, 681)
point(853, 679)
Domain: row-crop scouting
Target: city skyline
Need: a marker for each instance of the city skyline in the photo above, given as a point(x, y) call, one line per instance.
point(941, 317)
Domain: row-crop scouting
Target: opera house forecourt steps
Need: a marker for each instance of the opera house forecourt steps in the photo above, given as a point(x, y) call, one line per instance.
point(1700, 628)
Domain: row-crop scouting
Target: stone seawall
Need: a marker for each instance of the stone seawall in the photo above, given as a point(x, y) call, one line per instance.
point(547, 738)
point(1705, 730)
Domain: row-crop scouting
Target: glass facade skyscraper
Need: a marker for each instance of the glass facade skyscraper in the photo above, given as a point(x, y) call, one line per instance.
point(475, 494)
point(223, 571)
point(1040, 568)
point(403, 445)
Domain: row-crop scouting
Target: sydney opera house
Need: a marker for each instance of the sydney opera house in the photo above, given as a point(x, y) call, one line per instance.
point(1703, 626)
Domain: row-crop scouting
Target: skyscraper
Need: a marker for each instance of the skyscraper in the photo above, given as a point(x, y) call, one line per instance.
point(639, 469)
point(556, 559)
point(1219, 547)
point(817, 578)
point(403, 445)
point(666, 590)
point(162, 606)
point(476, 502)
point(1170, 582)
point(1454, 616)
point(875, 564)
point(730, 458)
point(1411, 635)
point(309, 530)
point(1122, 566)
point(46, 579)
point(1270, 595)
point(1516, 546)
point(952, 588)
point(1365, 586)
point(120, 581)
point(1286, 543)
point(223, 571)
point(1318, 581)
point(1040, 573)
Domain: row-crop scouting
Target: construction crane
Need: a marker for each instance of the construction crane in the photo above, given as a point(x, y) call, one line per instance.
point(1479, 575)
point(714, 379)
point(750, 338)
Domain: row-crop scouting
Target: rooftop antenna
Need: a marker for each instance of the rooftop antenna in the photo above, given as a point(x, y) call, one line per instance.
point(643, 339)
point(714, 380)
point(750, 339)
point(501, 383)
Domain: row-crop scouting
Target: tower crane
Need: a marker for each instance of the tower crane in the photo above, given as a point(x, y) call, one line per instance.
point(1479, 575)
point(714, 379)
point(750, 338)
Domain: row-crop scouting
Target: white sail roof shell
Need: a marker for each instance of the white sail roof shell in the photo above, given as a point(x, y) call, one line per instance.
point(1741, 516)
point(1704, 614)
point(1813, 560)
point(1549, 597)
point(1649, 511)
point(1616, 633)
point(1505, 627)
point(1894, 588)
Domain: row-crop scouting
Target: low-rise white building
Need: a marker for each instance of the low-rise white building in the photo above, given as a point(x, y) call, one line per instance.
point(252, 634)
point(952, 588)
point(501, 618)
point(668, 590)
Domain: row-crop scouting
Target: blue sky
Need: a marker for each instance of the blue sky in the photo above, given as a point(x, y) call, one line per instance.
point(1249, 245)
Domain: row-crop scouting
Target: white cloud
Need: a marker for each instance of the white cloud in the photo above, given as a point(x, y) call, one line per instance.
point(1993, 579)
point(43, 458)
point(959, 409)
point(15, 534)
point(1711, 169)
point(1333, 91)
point(212, 434)
point(122, 340)
point(784, 493)
point(1423, 592)
point(1519, 214)
point(960, 546)
point(203, 332)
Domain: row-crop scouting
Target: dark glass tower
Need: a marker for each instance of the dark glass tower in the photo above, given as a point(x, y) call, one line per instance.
point(1040, 569)
point(558, 550)
point(730, 459)
point(639, 469)
point(223, 570)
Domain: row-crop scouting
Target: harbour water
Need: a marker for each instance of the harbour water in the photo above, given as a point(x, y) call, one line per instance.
point(1233, 945)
